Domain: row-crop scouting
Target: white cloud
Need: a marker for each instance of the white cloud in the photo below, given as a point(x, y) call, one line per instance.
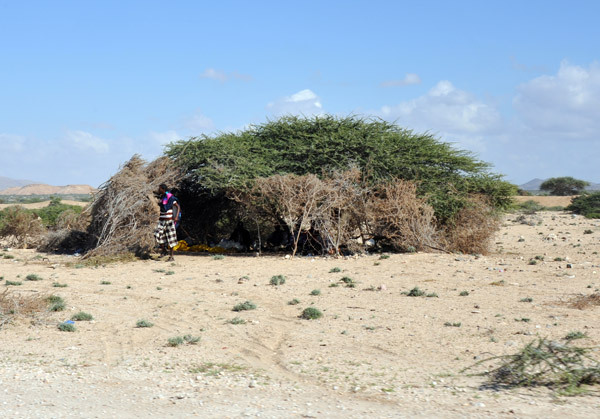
point(198, 123)
point(86, 141)
point(221, 76)
point(409, 79)
point(563, 105)
point(454, 114)
point(163, 138)
point(10, 143)
point(304, 102)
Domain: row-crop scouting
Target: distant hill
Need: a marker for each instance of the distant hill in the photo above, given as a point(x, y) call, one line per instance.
point(534, 185)
point(43, 189)
point(6, 182)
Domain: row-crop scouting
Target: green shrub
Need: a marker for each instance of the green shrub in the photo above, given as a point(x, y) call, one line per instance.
point(66, 327)
point(526, 300)
point(575, 335)
point(144, 323)
point(315, 292)
point(416, 292)
point(587, 204)
point(59, 285)
point(335, 270)
point(82, 317)
point(175, 341)
point(529, 207)
point(56, 303)
point(237, 320)
point(246, 305)
point(13, 283)
point(464, 293)
point(33, 277)
point(277, 280)
point(300, 146)
point(294, 302)
point(192, 340)
point(311, 313)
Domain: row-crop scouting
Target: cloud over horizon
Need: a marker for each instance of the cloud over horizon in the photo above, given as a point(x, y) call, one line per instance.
point(305, 102)
point(221, 76)
point(409, 79)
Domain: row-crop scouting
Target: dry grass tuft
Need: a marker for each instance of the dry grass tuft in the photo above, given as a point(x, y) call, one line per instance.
point(14, 305)
point(473, 228)
point(582, 302)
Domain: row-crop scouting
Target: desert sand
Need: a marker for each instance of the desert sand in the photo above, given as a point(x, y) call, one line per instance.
point(375, 352)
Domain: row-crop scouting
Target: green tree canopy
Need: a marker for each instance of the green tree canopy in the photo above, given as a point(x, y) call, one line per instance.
point(564, 186)
point(319, 145)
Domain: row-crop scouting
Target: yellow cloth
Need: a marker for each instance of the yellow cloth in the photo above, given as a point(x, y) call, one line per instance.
point(182, 246)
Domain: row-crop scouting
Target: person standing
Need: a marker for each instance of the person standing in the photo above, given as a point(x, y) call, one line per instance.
point(166, 229)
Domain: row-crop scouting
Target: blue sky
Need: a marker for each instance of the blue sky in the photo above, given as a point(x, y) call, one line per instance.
point(86, 84)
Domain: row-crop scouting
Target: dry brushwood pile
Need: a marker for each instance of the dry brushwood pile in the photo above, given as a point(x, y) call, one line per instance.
point(341, 211)
point(555, 364)
point(124, 211)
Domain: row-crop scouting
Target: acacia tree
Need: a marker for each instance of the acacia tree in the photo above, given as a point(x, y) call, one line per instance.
point(444, 175)
point(564, 186)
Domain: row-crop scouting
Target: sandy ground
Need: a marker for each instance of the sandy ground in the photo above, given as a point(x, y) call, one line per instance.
point(374, 353)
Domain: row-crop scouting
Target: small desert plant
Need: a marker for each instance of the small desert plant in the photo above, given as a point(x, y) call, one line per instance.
point(14, 283)
point(575, 335)
point(334, 285)
point(237, 320)
point(587, 231)
point(559, 259)
point(277, 280)
point(532, 262)
point(33, 277)
point(523, 319)
point(144, 323)
point(58, 285)
point(335, 270)
point(105, 283)
point(384, 257)
point(192, 340)
point(56, 303)
point(415, 292)
point(294, 302)
point(526, 300)
point(315, 292)
point(311, 313)
point(175, 341)
point(66, 327)
point(246, 305)
point(498, 283)
point(82, 316)
point(218, 257)
point(170, 273)
point(456, 324)
point(432, 295)
point(464, 293)
point(544, 363)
